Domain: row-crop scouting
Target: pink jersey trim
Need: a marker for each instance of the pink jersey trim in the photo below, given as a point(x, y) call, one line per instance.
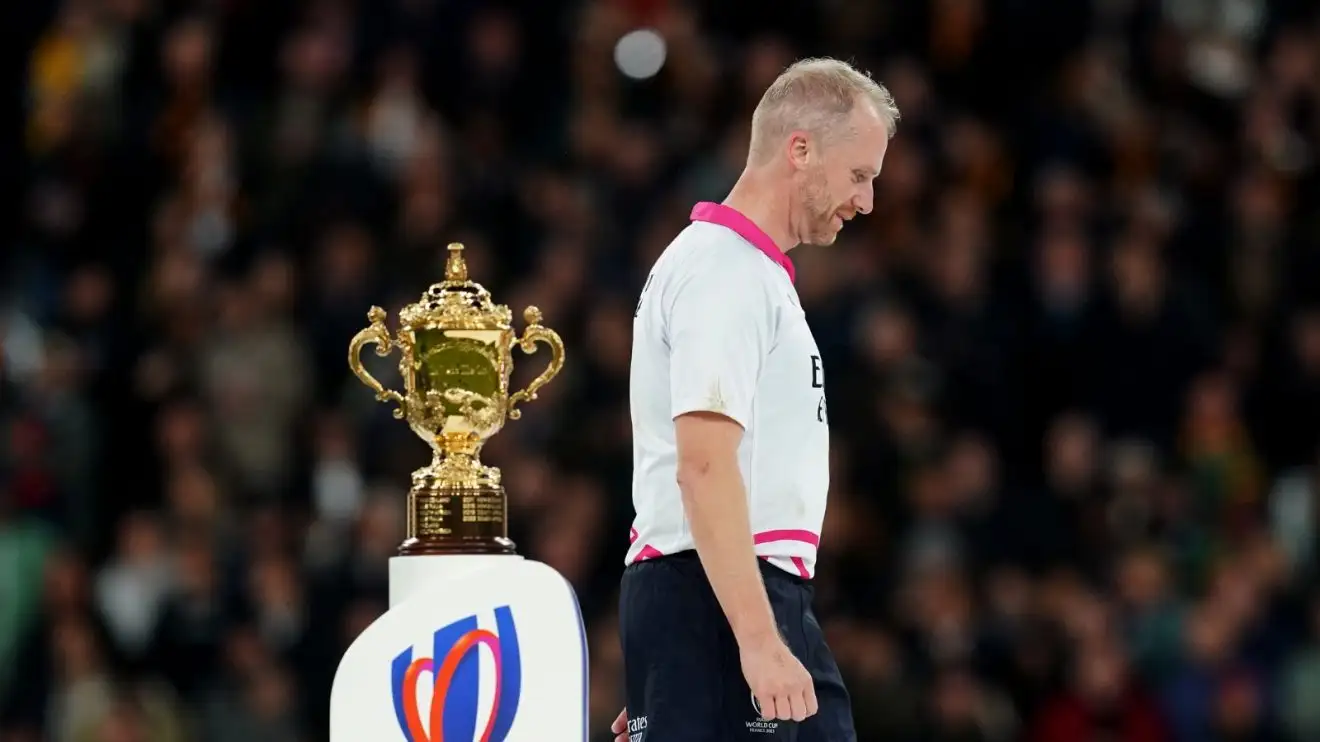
point(732, 219)
point(648, 552)
point(801, 565)
point(764, 537)
point(787, 534)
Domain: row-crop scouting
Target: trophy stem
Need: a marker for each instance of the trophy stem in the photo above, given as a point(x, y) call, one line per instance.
point(457, 506)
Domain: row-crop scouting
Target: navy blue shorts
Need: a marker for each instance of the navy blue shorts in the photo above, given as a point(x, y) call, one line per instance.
point(683, 673)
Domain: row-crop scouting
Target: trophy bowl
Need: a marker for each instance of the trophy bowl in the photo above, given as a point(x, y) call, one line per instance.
point(456, 358)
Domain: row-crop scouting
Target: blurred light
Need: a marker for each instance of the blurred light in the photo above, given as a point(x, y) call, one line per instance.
point(640, 54)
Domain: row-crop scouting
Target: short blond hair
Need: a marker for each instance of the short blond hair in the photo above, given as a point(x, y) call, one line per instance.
point(815, 95)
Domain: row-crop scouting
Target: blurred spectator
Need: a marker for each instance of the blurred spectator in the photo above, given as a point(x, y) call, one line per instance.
point(1102, 701)
point(133, 586)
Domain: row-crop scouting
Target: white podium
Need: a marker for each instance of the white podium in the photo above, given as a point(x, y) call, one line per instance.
point(472, 649)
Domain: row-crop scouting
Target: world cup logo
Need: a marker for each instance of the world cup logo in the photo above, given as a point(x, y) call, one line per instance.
point(455, 670)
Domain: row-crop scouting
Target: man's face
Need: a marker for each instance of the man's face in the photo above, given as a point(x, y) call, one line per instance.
point(835, 183)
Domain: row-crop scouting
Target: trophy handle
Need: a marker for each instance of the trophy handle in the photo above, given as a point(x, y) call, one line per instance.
point(531, 336)
point(374, 334)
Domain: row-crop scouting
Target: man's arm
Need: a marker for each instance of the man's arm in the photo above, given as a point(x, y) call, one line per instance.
point(720, 331)
point(715, 501)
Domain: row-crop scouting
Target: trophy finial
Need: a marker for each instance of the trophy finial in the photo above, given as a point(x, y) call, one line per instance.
point(456, 267)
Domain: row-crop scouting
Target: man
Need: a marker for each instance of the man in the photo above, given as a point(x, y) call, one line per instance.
point(731, 436)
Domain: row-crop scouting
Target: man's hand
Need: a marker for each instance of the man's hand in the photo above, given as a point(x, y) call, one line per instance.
point(620, 727)
point(781, 685)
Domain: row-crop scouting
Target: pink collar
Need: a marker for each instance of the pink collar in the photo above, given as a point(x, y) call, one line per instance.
point(733, 220)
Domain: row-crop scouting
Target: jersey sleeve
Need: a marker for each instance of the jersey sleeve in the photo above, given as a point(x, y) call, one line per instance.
point(720, 333)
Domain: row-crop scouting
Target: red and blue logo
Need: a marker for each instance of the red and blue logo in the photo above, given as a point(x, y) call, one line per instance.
point(454, 667)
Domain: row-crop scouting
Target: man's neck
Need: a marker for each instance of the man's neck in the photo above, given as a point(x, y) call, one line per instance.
point(766, 206)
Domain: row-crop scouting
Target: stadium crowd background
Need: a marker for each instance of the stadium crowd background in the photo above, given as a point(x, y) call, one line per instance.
point(1073, 357)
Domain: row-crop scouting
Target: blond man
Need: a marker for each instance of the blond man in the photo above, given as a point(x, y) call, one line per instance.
point(731, 435)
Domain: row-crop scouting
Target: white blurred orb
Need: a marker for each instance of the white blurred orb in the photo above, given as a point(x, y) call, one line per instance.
point(640, 54)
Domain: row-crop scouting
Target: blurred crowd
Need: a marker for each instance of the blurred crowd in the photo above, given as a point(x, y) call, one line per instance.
point(1073, 356)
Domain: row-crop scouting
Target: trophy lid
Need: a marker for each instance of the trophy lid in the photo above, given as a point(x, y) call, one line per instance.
point(457, 302)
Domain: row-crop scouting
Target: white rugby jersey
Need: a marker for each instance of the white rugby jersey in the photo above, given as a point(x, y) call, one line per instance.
point(719, 328)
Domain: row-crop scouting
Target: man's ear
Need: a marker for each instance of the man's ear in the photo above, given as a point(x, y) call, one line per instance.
point(799, 150)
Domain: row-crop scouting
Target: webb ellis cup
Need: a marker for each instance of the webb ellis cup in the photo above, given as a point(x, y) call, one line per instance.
point(456, 348)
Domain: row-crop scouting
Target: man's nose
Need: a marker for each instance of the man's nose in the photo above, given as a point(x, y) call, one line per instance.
point(864, 201)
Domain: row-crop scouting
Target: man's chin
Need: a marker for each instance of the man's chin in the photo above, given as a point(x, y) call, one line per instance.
point(824, 239)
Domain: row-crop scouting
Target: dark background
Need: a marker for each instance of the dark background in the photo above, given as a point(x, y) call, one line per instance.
point(1073, 357)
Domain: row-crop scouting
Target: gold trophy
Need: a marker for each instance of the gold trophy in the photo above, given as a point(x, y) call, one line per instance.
point(457, 355)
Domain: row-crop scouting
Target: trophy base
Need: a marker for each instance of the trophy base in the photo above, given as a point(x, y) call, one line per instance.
point(444, 546)
point(457, 520)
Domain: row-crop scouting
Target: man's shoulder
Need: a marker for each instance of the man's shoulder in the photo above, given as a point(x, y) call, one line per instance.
point(723, 248)
point(711, 256)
